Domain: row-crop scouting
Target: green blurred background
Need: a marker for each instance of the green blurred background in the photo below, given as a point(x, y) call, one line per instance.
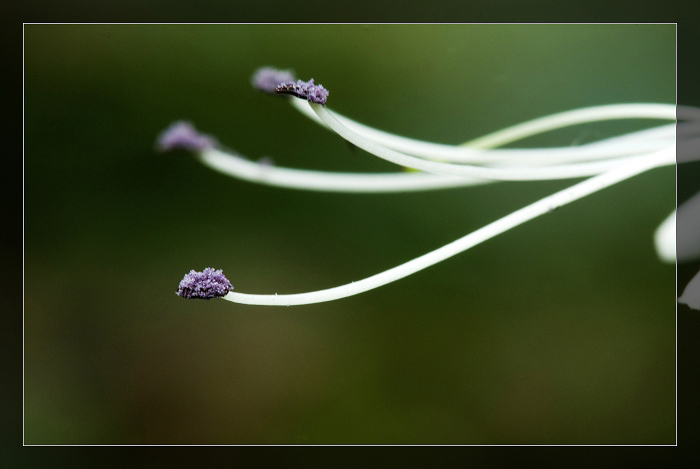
point(559, 331)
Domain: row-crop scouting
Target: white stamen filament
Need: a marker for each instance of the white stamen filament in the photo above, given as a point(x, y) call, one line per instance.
point(564, 171)
point(472, 151)
point(236, 166)
point(545, 205)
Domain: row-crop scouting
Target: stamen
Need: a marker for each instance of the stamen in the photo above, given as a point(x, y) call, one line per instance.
point(474, 151)
point(234, 165)
point(541, 207)
point(504, 174)
point(619, 158)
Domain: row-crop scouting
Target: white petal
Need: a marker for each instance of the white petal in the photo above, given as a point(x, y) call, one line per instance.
point(665, 239)
point(691, 295)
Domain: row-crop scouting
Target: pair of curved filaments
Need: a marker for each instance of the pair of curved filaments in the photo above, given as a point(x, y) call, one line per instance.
point(504, 164)
point(609, 161)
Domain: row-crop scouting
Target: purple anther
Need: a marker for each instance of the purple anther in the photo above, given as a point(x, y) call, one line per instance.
point(204, 285)
point(268, 78)
point(304, 90)
point(183, 135)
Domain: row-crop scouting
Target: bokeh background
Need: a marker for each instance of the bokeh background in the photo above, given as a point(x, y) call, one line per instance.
point(559, 331)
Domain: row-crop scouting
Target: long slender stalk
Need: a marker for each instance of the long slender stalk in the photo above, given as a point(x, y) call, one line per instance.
point(290, 178)
point(472, 151)
point(503, 174)
point(504, 224)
